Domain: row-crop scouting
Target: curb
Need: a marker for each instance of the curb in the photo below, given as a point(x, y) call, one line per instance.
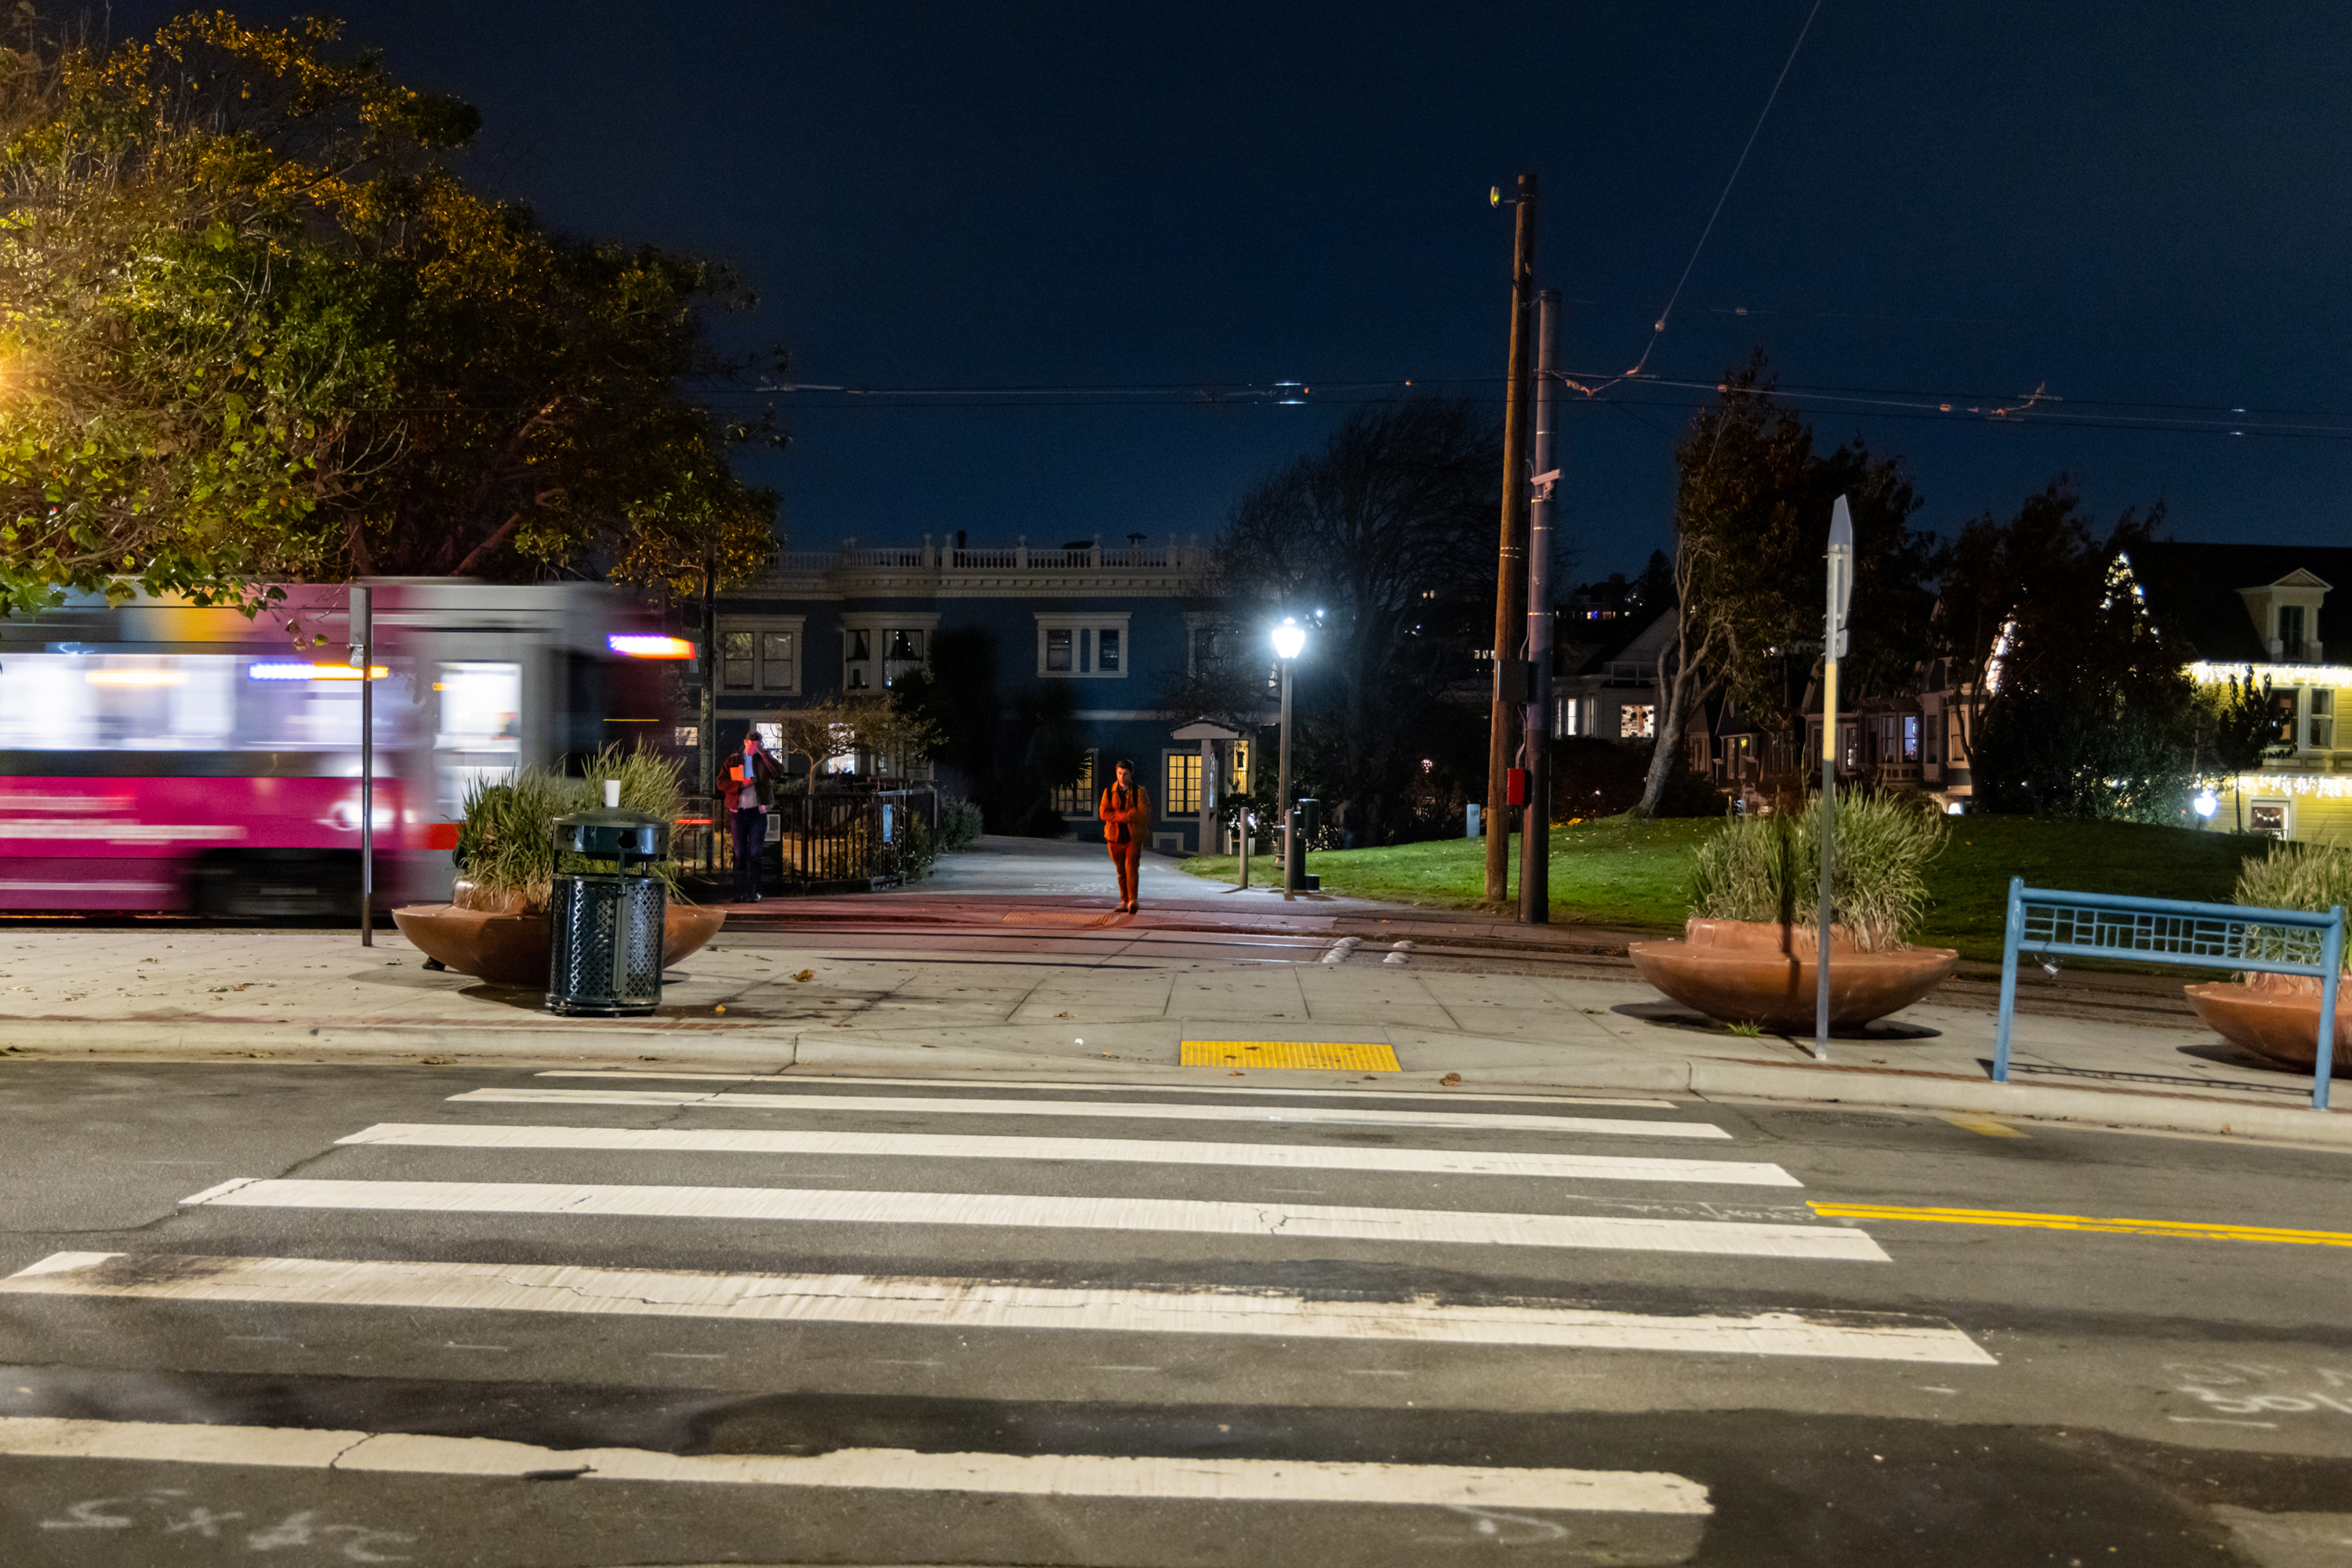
point(815, 1053)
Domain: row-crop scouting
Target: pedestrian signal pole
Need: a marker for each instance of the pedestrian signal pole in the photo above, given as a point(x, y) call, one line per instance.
point(1834, 645)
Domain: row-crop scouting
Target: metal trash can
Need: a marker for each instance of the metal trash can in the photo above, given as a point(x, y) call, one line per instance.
point(1306, 820)
point(605, 958)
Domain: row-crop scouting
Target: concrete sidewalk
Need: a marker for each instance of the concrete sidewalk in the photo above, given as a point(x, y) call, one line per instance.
point(933, 998)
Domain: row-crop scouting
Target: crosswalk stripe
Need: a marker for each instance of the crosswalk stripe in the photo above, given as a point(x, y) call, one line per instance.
point(1135, 1151)
point(1238, 1090)
point(913, 1301)
point(1188, 1478)
point(1342, 1116)
point(1284, 1221)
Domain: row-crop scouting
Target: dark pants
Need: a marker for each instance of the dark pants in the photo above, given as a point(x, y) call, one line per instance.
point(750, 837)
point(1126, 857)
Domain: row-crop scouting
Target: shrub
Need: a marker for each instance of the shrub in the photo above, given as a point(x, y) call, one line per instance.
point(2314, 876)
point(960, 826)
point(505, 845)
point(1768, 868)
point(908, 859)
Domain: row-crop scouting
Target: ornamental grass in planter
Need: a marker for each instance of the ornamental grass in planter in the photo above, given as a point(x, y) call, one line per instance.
point(1748, 951)
point(496, 926)
point(2277, 1015)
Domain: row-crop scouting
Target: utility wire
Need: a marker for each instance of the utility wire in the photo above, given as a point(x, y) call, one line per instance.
point(1658, 328)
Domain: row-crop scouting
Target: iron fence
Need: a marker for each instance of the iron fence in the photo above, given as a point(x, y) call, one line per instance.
point(862, 834)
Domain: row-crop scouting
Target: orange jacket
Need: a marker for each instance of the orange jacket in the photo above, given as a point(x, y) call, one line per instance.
point(1125, 814)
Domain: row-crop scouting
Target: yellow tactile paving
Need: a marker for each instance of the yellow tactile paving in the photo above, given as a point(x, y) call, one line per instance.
point(1322, 1056)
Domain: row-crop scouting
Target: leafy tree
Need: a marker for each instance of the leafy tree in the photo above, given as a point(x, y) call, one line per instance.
point(255, 326)
point(2237, 721)
point(820, 732)
point(1385, 538)
point(1011, 759)
point(2071, 703)
point(1751, 533)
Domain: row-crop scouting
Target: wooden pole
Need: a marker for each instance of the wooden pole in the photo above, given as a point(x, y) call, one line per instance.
point(1510, 583)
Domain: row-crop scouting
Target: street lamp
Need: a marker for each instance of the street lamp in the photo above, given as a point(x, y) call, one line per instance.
point(1289, 638)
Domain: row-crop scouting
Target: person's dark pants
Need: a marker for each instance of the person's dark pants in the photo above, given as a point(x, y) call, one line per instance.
point(1127, 858)
point(750, 837)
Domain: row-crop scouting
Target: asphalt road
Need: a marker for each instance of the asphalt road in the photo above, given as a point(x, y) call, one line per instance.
point(596, 1320)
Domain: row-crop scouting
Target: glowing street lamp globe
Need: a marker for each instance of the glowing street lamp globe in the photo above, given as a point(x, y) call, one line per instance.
point(1288, 638)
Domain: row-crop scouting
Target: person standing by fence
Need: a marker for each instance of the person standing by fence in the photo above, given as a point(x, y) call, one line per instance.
point(1126, 812)
point(749, 790)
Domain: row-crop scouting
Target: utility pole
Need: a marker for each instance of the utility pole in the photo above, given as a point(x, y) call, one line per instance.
point(1535, 830)
point(1510, 583)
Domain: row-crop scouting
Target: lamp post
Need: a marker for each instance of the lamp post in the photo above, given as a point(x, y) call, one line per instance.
point(1288, 638)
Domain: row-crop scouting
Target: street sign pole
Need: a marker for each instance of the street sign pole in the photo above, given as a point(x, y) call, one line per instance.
point(363, 639)
point(1833, 642)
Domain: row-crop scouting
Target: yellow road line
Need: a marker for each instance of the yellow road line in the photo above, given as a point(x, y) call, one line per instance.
point(2195, 1230)
point(1316, 1056)
point(1986, 1125)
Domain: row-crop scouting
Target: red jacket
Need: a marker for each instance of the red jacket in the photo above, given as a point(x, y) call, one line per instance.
point(1125, 814)
point(731, 786)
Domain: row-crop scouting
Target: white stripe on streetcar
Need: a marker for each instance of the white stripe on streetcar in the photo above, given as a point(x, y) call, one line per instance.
point(1344, 1116)
point(1401, 1091)
point(1315, 1222)
point(963, 1305)
point(1134, 1151)
point(1188, 1478)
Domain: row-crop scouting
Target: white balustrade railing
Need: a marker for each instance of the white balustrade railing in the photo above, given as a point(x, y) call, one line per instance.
point(944, 558)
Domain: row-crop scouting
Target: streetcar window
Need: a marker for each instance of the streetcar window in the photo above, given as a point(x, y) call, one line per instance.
point(479, 738)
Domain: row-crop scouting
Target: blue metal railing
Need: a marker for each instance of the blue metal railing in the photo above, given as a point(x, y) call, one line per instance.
point(2053, 924)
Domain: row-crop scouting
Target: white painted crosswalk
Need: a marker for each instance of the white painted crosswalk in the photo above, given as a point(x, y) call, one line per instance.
point(521, 1178)
point(870, 1470)
point(1290, 1222)
point(1280, 1116)
point(1126, 1151)
point(913, 1301)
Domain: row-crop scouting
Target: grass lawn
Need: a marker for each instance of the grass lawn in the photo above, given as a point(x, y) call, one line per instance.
point(1619, 871)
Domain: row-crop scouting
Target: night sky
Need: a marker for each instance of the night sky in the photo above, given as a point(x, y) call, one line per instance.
point(2142, 208)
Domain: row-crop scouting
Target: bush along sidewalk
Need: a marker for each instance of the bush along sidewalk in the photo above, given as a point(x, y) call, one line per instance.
point(1753, 951)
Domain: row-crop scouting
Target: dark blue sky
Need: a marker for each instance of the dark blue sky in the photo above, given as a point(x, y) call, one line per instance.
point(2143, 205)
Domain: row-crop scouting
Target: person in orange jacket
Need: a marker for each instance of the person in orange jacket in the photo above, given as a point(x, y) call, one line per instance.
point(1126, 813)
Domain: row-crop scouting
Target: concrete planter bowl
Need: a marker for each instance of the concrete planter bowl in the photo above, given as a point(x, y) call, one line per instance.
point(505, 943)
point(2276, 1016)
point(1743, 972)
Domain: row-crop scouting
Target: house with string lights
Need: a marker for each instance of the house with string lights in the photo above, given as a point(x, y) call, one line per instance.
point(2280, 614)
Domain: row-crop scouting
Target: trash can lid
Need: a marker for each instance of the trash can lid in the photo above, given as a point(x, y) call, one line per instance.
point(606, 831)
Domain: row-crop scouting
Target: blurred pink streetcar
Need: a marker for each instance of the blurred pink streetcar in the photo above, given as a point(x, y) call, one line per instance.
point(156, 756)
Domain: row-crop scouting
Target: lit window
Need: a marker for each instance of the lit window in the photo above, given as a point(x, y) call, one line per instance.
point(1077, 798)
point(2322, 718)
point(1910, 739)
point(1637, 721)
point(1183, 796)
